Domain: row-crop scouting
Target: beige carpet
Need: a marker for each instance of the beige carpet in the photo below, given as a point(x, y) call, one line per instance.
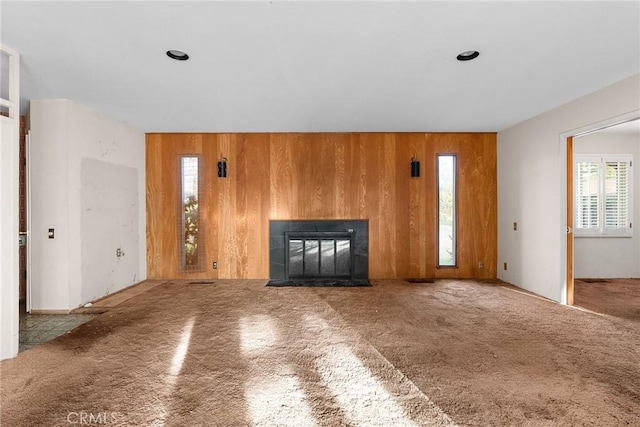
point(395, 354)
point(615, 297)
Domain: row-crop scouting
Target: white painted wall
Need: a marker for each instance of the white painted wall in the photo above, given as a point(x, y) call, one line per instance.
point(87, 169)
point(532, 187)
point(8, 238)
point(108, 221)
point(609, 257)
point(9, 202)
point(49, 196)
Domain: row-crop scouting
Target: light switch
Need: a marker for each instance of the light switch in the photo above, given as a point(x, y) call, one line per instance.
point(52, 233)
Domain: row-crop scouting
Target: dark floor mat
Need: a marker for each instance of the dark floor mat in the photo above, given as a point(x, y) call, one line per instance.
point(594, 280)
point(320, 283)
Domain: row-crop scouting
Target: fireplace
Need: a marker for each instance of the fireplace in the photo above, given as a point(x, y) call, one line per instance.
point(318, 254)
point(319, 250)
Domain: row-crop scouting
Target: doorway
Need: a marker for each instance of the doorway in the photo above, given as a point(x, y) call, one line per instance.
point(601, 196)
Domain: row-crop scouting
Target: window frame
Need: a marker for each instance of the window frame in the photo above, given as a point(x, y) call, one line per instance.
point(182, 253)
point(455, 210)
point(602, 230)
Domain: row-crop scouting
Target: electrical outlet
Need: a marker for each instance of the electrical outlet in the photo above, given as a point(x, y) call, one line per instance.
point(481, 264)
point(215, 265)
point(505, 266)
point(515, 226)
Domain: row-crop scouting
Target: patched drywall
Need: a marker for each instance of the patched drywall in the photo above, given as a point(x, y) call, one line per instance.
point(109, 232)
point(81, 160)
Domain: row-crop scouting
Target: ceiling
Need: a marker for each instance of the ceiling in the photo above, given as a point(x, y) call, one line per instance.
point(321, 66)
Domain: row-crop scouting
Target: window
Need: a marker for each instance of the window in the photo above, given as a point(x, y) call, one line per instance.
point(603, 195)
point(190, 226)
point(447, 210)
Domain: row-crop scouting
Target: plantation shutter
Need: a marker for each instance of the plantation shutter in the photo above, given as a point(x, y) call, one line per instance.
point(587, 194)
point(603, 195)
point(616, 195)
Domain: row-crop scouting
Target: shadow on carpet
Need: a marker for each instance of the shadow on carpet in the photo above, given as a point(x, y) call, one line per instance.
point(320, 283)
point(421, 280)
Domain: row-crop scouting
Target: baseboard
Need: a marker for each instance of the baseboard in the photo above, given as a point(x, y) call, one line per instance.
point(36, 311)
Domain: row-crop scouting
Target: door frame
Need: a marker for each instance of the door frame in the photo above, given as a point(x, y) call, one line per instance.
point(27, 174)
point(569, 230)
point(567, 194)
point(9, 184)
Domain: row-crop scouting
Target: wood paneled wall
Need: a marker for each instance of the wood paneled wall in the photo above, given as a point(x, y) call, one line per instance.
point(324, 176)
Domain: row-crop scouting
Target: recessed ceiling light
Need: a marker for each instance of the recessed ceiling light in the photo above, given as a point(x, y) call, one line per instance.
point(468, 55)
point(178, 55)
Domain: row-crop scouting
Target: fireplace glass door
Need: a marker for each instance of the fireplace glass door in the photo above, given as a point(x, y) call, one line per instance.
point(319, 255)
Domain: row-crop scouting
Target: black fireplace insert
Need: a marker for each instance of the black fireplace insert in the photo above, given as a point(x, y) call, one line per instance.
point(319, 252)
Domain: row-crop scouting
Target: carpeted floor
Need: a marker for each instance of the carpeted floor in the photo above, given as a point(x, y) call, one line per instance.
point(394, 354)
point(614, 297)
point(319, 283)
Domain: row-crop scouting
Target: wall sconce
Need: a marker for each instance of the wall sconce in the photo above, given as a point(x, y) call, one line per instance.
point(222, 167)
point(415, 167)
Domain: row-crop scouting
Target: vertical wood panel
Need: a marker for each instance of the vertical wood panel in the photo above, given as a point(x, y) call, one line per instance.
point(228, 244)
point(342, 194)
point(370, 149)
point(404, 209)
point(211, 211)
point(255, 160)
point(241, 190)
point(280, 178)
point(387, 205)
point(155, 225)
point(433, 144)
point(170, 209)
point(357, 178)
point(324, 176)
